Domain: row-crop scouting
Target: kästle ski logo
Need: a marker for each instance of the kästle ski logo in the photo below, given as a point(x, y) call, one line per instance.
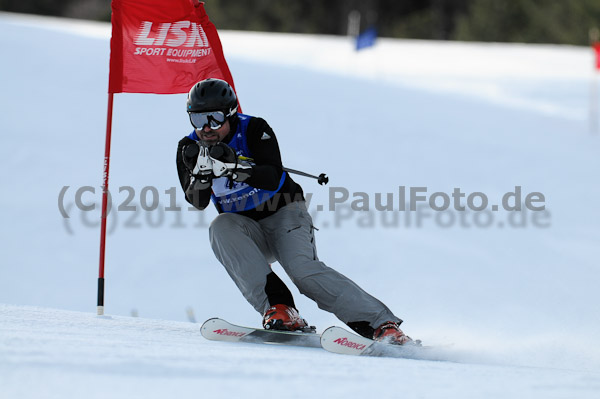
point(224, 331)
point(354, 345)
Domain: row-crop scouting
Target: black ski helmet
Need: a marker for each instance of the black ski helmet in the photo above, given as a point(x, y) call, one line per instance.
point(212, 95)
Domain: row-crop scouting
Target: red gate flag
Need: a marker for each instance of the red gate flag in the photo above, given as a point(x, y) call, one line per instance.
point(596, 47)
point(163, 47)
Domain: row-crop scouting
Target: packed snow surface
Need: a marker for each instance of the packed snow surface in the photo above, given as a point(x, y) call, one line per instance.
point(511, 297)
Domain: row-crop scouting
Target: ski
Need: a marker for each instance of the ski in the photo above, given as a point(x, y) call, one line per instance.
point(338, 340)
point(216, 329)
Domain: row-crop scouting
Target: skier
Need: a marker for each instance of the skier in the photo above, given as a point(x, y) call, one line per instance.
point(235, 160)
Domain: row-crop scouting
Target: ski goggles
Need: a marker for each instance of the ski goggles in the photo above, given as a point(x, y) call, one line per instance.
point(214, 119)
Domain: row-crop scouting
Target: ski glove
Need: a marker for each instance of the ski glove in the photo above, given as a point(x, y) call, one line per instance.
point(196, 159)
point(226, 163)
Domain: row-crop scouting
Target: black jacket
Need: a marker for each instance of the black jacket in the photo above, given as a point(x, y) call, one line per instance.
point(266, 173)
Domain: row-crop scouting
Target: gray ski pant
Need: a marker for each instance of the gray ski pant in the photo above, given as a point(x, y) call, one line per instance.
point(246, 248)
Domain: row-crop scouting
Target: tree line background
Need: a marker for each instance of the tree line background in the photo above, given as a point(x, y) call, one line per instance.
point(527, 21)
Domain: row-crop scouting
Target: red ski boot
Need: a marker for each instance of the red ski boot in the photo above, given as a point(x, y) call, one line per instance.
point(390, 333)
point(283, 317)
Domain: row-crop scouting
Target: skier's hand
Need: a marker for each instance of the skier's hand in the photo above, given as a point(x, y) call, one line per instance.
point(199, 165)
point(189, 155)
point(222, 152)
point(226, 163)
point(196, 159)
point(199, 182)
point(242, 171)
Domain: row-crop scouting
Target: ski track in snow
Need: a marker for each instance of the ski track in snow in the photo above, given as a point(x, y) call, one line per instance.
point(512, 309)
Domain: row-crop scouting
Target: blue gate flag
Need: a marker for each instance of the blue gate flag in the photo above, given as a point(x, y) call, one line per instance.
point(366, 38)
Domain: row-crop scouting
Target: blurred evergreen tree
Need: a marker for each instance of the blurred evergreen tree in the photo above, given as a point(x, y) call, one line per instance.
point(43, 7)
point(298, 16)
point(536, 21)
point(529, 21)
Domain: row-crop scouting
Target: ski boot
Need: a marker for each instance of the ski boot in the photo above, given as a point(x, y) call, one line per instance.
point(390, 333)
point(286, 318)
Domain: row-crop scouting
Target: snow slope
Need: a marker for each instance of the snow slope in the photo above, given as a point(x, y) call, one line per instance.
point(517, 298)
point(59, 354)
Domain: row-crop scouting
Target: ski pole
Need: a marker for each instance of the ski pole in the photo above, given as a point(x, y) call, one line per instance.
point(321, 179)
